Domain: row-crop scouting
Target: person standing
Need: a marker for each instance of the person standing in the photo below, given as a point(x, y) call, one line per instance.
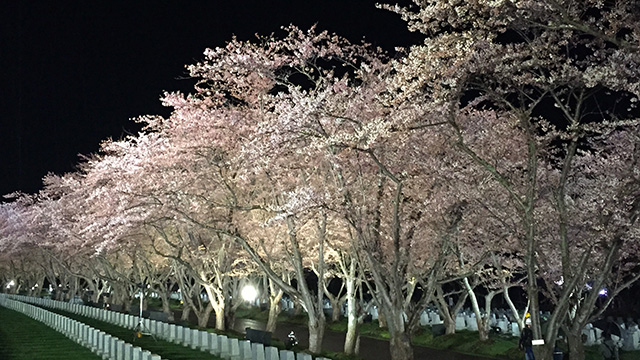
point(526, 339)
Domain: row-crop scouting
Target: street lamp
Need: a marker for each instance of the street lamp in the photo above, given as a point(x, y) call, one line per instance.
point(249, 293)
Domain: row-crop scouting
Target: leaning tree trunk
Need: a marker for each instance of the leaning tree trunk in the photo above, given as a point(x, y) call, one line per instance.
point(220, 319)
point(203, 317)
point(274, 310)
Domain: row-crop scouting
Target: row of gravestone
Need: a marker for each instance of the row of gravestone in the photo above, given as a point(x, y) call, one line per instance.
point(104, 345)
point(504, 323)
point(219, 345)
point(628, 340)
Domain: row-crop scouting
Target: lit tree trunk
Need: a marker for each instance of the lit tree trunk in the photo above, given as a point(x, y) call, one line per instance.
point(352, 327)
point(352, 307)
point(217, 303)
point(275, 296)
point(316, 334)
point(512, 306)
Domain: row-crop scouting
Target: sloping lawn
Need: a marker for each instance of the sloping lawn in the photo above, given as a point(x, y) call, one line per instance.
point(163, 348)
point(22, 338)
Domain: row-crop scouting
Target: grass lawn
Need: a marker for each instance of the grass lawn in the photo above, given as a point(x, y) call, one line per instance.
point(22, 338)
point(163, 348)
point(467, 342)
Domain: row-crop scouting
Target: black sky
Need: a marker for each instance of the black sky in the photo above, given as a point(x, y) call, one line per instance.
point(74, 73)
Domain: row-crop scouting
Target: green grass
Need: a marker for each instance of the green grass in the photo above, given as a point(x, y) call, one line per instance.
point(163, 348)
point(467, 342)
point(22, 338)
point(156, 304)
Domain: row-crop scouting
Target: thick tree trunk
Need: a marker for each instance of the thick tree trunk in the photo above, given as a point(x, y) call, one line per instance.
point(449, 326)
point(400, 339)
point(483, 332)
point(316, 334)
point(400, 346)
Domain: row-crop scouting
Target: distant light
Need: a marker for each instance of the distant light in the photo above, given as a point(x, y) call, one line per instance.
point(603, 292)
point(249, 293)
point(588, 286)
point(10, 284)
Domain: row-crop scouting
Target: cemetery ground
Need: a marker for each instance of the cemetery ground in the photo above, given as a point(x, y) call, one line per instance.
point(464, 345)
point(23, 338)
point(165, 349)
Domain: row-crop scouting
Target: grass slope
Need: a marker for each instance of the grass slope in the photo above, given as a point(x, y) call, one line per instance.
point(163, 348)
point(22, 338)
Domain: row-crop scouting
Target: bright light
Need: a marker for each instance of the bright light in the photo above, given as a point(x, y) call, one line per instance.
point(249, 293)
point(10, 284)
point(603, 292)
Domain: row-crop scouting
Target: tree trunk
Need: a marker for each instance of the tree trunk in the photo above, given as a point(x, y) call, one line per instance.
point(316, 334)
point(229, 316)
point(449, 326)
point(400, 340)
point(166, 306)
point(576, 348)
point(186, 310)
point(382, 321)
point(203, 318)
point(335, 309)
point(274, 310)
point(352, 318)
point(352, 328)
point(483, 332)
point(297, 309)
point(400, 346)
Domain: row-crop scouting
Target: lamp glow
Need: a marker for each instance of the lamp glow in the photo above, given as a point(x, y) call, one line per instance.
point(249, 293)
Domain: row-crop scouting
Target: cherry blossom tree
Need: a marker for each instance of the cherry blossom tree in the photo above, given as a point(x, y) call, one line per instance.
point(540, 78)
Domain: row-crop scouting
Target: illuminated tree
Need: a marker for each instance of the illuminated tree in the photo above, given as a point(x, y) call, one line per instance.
point(542, 78)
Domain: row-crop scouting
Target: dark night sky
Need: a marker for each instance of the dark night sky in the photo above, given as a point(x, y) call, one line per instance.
point(74, 73)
